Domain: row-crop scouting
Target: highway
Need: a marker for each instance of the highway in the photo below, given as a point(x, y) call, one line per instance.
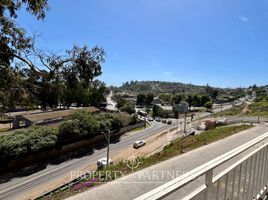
point(145, 180)
point(23, 187)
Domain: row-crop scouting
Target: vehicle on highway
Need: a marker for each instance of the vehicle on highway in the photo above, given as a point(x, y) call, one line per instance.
point(164, 121)
point(150, 119)
point(158, 119)
point(139, 144)
point(101, 163)
point(169, 122)
point(142, 113)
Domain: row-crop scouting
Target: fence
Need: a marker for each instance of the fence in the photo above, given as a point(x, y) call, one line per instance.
point(245, 179)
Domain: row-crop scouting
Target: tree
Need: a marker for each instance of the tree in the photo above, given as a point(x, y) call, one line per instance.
point(41, 77)
point(204, 99)
point(165, 98)
point(130, 109)
point(190, 101)
point(213, 93)
point(177, 98)
point(13, 42)
point(141, 99)
point(14, 46)
point(196, 100)
point(208, 105)
point(149, 98)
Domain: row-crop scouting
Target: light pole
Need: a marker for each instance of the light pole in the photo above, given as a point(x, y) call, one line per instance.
point(185, 116)
point(107, 135)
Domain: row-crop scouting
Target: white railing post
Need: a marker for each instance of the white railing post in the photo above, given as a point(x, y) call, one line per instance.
point(252, 176)
point(239, 181)
point(209, 184)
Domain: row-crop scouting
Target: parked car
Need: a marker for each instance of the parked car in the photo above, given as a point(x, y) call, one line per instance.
point(150, 119)
point(101, 163)
point(164, 121)
point(169, 122)
point(139, 144)
point(158, 119)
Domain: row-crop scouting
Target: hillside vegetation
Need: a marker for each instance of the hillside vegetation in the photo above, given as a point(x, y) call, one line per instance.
point(158, 87)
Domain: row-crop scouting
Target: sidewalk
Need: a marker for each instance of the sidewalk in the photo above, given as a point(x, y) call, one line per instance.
point(138, 183)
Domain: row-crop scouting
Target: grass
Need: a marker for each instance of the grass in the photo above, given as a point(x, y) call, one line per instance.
point(5, 129)
point(175, 148)
point(230, 112)
point(258, 108)
point(182, 145)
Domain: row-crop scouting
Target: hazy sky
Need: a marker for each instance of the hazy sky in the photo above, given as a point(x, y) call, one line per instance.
point(220, 42)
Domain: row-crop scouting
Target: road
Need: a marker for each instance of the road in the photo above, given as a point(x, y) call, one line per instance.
point(25, 186)
point(111, 104)
point(138, 183)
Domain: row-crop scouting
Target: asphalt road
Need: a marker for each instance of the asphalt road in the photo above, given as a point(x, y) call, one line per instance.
point(143, 181)
point(20, 186)
point(23, 185)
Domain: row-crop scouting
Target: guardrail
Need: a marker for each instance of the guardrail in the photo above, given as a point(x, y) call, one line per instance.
point(246, 179)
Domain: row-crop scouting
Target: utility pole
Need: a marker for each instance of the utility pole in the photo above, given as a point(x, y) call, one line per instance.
point(178, 122)
point(145, 121)
point(185, 116)
point(107, 135)
point(259, 116)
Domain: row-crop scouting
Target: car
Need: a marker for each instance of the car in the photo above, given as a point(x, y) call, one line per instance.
point(150, 119)
point(158, 119)
point(164, 121)
point(169, 122)
point(139, 144)
point(101, 163)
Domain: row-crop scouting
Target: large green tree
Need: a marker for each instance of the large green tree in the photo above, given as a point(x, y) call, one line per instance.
point(44, 78)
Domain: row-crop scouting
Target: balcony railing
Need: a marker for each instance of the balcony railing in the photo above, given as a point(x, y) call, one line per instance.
point(245, 178)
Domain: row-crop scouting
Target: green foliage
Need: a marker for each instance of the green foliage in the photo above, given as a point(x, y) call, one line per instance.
point(22, 142)
point(84, 124)
point(145, 99)
point(134, 119)
point(230, 112)
point(130, 109)
point(261, 95)
point(208, 104)
point(258, 109)
point(40, 78)
point(212, 92)
point(69, 129)
point(160, 112)
point(165, 98)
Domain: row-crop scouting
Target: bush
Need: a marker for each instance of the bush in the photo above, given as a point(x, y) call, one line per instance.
point(84, 124)
point(128, 108)
point(22, 142)
point(69, 128)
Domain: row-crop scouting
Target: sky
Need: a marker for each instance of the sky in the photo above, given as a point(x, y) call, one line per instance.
point(222, 43)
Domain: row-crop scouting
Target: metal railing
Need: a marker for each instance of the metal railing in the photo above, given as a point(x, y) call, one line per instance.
point(244, 179)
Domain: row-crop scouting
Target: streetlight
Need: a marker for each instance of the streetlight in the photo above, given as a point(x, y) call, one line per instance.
point(107, 135)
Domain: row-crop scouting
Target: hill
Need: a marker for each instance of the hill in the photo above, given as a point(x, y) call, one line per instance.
point(157, 87)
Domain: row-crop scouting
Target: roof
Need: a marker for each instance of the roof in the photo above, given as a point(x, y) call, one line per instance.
point(13, 114)
point(56, 114)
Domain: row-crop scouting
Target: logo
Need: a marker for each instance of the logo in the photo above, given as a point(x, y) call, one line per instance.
point(133, 162)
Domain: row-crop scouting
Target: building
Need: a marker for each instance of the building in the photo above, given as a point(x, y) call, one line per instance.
point(50, 117)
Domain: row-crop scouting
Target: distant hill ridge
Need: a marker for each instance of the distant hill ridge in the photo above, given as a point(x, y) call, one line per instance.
point(164, 87)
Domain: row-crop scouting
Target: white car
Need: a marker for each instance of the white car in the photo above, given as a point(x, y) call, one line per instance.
point(150, 119)
point(139, 144)
point(101, 163)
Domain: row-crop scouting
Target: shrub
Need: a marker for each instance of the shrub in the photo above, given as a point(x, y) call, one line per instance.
point(69, 128)
point(25, 141)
